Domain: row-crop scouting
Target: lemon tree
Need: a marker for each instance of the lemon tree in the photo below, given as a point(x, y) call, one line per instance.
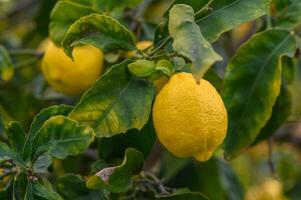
point(150, 99)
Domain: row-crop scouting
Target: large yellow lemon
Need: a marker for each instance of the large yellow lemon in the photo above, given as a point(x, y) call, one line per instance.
point(72, 77)
point(189, 117)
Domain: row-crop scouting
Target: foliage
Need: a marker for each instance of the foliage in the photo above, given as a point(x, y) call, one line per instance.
point(102, 144)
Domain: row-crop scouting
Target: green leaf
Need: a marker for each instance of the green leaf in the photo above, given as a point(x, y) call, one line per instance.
point(228, 14)
point(6, 65)
point(62, 137)
point(64, 14)
point(142, 140)
point(47, 113)
point(8, 153)
point(118, 179)
point(19, 186)
point(40, 192)
point(289, 66)
point(281, 111)
point(251, 86)
point(116, 103)
point(71, 187)
point(16, 135)
point(29, 192)
point(290, 18)
point(38, 122)
point(188, 40)
point(104, 32)
point(42, 163)
point(225, 15)
point(284, 104)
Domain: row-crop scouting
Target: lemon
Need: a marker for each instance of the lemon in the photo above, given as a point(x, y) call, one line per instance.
point(189, 117)
point(72, 77)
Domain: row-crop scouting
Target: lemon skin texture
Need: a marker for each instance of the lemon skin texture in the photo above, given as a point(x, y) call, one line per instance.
point(189, 117)
point(72, 77)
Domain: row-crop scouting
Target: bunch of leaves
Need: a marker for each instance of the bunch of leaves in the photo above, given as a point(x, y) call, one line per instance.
point(255, 90)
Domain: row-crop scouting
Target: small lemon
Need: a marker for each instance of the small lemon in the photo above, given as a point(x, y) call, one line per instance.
point(189, 117)
point(72, 77)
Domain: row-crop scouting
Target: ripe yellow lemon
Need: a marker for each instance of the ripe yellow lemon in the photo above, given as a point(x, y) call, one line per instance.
point(72, 77)
point(189, 117)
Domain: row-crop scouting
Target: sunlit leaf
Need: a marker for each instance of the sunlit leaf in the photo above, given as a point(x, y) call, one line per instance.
point(104, 32)
point(228, 14)
point(16, 136)
point(188, 40)
point(251, 86)
point(62, 16)
point(283, 106)
point(38, 122)
point(117, 102)
point(61, 137)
